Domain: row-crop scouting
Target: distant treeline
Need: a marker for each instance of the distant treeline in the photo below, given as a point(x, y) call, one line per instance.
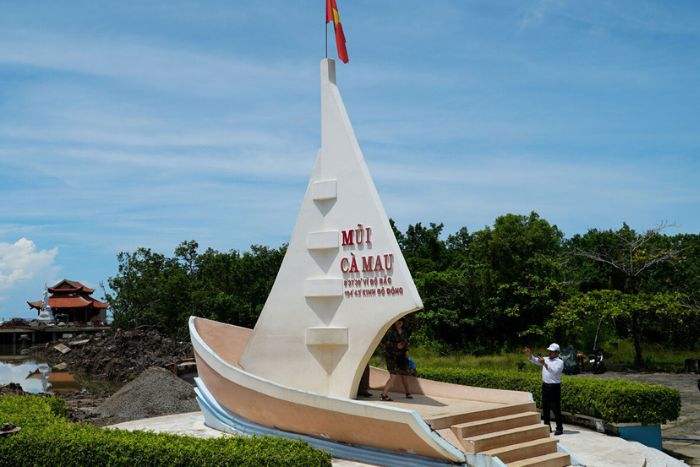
point(517, 281)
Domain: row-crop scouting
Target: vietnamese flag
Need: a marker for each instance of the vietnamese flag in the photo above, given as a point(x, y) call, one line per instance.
point(332, 15)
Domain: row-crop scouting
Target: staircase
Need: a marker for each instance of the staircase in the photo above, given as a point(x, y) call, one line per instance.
point(513, 433)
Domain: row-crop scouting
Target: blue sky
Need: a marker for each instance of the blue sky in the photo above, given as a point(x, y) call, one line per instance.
point(128, 124)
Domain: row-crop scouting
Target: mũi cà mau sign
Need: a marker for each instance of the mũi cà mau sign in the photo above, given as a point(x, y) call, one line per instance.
point(366, 274)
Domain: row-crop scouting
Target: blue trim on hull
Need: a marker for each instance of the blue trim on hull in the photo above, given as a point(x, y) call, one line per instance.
point(220, 418)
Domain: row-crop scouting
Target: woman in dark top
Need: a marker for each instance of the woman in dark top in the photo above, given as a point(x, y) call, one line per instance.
point(395, 345)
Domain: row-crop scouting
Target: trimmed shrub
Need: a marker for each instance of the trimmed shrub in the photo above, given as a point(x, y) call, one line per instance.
point(47, 438)
point(612, 400)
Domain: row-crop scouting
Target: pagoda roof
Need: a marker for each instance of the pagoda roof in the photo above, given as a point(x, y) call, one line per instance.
point(69, 302)
point(70, 286)
point(69, 294)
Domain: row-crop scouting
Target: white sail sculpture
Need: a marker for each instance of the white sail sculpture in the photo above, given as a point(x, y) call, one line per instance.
point(342, 283)
point(343, 280)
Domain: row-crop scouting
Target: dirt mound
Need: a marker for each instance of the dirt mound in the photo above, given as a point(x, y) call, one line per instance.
point(11, 389)
point(154, 392)
point(117, 355)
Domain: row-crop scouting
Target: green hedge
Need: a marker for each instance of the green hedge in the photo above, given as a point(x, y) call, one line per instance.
point(612, 400)
point(47, 439)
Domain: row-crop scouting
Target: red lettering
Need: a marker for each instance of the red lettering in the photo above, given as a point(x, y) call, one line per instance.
point(388, 261)
point(367, 264)
point(345, 265)
point(348, 237)
point(378, 264)
point(353, 265)
point(359, 234)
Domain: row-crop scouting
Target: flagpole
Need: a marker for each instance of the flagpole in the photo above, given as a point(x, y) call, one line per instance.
point(326, 26)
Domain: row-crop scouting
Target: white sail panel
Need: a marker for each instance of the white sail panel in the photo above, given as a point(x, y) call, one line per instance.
point(343, 280)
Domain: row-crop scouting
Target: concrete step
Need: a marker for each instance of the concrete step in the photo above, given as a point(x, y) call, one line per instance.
point(516, 452)
point(489, 425)
point(446, 421)
point(499, 439)
point(556, 459)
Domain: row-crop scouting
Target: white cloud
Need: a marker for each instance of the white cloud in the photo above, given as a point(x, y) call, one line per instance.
point(22, 261)
point(160, 66)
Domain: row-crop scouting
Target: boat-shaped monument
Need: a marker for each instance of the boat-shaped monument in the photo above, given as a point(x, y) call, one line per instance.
point(342, 283)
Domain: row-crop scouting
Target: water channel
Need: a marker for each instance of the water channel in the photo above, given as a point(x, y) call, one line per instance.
point(35, 376)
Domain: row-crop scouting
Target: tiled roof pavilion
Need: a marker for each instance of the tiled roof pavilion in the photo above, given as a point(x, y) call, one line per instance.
point(73, 299)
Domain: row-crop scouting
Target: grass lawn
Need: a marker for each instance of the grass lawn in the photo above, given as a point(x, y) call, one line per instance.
point(619, 355)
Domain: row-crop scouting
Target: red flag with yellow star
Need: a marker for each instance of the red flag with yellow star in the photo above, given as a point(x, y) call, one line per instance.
point(332, 15)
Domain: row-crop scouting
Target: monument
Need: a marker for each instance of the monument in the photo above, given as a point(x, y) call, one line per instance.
point(343, 282)
point(45, 312)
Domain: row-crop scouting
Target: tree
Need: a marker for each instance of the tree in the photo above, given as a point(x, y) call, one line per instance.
point(520, 275)
point(155, 290)
point(485, 290)
point(482, 290)
point(423, 249)
point(663, 313)
point(628, 258)
point(448, 320)
point(136, 297)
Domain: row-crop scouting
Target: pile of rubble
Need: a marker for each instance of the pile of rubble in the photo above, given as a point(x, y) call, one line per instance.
point(117, 355)
point(154, 392)
point(11, 389)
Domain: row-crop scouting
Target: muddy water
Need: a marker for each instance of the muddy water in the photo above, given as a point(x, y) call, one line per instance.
point(33, 375)
point(30, 374)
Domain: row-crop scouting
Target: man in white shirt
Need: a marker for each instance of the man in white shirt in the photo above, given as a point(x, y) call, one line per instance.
point(552, 368)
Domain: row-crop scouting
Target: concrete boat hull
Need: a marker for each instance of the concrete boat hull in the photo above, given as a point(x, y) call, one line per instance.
point(273, 405)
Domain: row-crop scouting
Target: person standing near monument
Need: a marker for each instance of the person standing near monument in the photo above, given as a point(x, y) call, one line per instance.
point(552, 368)
point(395, 345)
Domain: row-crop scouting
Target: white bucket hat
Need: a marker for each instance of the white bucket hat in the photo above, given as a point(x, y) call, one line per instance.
point(553, 348)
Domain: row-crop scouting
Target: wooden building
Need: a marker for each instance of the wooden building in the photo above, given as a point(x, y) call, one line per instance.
point(73, 299)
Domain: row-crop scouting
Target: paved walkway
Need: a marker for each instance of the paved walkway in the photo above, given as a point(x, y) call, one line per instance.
point(591, 448)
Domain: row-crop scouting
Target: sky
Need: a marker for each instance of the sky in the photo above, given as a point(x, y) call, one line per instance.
point(143, 124)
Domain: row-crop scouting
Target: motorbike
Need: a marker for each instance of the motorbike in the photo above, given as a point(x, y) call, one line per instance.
point(596, 362)
point(572, 365)
point(595, 359)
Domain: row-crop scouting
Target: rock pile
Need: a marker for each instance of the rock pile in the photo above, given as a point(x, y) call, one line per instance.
point(82, 406)
point(154, 392)
point(118, 355)
point(11, 389)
